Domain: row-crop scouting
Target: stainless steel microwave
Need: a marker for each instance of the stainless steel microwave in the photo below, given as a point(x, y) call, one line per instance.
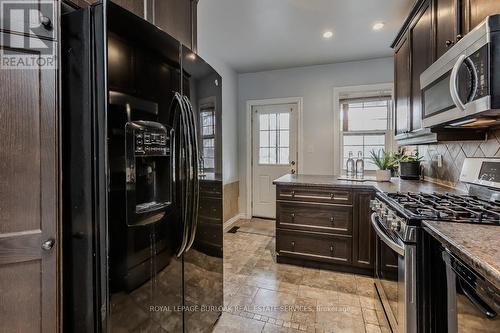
point(462, 88)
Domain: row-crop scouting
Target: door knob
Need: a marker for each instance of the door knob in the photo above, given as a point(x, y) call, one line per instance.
point(292, 162)
point(449, 43)
point(293, 171)
point(48, 244)
point(46, 22)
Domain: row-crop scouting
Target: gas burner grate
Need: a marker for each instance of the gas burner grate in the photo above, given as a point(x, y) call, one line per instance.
point(447, 206)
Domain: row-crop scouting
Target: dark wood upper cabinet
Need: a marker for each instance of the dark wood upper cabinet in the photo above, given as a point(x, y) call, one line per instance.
point(29, 192)
point(431, 28)
point(446, 23)
point(402, 88)
point(422, 51)
point(474, 12)
point(134, 6)
point(177, 18)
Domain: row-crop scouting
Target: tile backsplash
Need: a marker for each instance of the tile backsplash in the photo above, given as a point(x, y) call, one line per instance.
point(453, 156)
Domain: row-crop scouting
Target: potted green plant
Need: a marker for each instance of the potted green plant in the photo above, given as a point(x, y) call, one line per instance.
point(409, 165)
point(385, 161)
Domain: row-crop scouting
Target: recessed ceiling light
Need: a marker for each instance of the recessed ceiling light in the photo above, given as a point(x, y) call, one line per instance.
point(327, 34)
point(378, 26)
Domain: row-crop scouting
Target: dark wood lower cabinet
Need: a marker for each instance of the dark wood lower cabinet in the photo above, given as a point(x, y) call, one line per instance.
point(314, 229)
point(29, 192)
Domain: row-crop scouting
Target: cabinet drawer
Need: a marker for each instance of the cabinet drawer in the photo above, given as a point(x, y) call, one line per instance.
point(315, 217)
point(17, 15)
point(314, 246)
point(333, 195)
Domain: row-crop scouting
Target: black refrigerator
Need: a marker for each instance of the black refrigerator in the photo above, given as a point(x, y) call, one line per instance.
point(142, 177)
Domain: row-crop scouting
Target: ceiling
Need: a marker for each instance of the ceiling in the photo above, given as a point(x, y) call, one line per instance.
point(257, 35)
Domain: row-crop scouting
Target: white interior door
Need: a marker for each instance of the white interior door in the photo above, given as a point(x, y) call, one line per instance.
point(274, 141)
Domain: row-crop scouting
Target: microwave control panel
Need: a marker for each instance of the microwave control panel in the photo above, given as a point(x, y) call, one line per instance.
point(479, 60)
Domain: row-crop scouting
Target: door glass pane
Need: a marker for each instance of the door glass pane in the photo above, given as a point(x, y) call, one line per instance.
point(284, 138)
point(284, 121)
point(284, 156)
point(274, 138)
point(264, 122)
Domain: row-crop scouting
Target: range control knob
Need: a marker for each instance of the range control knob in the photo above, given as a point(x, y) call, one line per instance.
point(396, 225)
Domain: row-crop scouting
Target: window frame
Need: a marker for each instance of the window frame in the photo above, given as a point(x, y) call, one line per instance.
point(365, 92)
point(213, 136)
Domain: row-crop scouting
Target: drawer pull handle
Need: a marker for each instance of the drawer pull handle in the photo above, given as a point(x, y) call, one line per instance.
point(332, 219)
point(332, 196)
point(293, 246)
point(293, 216)
point(292, 193)
point(331, 249)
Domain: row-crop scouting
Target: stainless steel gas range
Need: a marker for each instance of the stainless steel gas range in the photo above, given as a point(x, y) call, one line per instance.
point(397, 218)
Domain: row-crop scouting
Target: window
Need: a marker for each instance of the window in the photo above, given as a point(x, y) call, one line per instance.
point(274, 137)
point(364, 126)
point(207, 116)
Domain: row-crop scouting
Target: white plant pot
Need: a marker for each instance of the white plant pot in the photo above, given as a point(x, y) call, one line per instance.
point(383, 175)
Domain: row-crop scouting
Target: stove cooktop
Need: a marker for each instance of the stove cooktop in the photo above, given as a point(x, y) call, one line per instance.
point(446, 207)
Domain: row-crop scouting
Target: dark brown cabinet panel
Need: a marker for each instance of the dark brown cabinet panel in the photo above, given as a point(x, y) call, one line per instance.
point(402, 86)
point(363, 235)
point(422, 49)
point(177, 18)
point(29, 184)
point(446, 23)
point(475, 11)
point(325, 226)
point(314, 246)
point(134, 6)
point(314, 217)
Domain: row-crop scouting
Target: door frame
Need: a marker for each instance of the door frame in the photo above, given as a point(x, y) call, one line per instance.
point(249, 134)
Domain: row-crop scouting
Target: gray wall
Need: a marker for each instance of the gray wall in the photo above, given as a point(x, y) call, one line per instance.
point(315, 85)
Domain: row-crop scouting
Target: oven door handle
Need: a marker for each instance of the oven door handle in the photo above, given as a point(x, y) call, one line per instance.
point(474, 300)
point(389, 242)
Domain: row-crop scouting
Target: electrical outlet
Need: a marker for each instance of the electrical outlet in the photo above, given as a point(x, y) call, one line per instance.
point(440, 161)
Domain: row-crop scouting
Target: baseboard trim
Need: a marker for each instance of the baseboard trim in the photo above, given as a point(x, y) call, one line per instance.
point(229, 223)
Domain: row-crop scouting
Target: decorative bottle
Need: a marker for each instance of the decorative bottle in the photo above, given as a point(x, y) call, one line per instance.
point(360, 166)
point(350, 166)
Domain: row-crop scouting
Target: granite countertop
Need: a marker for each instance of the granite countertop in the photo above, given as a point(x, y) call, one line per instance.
point(395, 185)
point(477, 245)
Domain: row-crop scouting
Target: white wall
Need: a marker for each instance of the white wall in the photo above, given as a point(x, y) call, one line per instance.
point(315, 84)
point(229, 100)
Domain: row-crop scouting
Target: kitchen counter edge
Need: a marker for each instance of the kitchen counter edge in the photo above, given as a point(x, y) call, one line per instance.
point(476, 245)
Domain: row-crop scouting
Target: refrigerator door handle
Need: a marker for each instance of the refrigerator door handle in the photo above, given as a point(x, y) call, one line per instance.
point(179, 119)
point(195, 166)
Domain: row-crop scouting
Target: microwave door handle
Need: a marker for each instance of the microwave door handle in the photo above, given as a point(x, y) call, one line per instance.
point(474, 300)
point(389, 242)
point(454, 82)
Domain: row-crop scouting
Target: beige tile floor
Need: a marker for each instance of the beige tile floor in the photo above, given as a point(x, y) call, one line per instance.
point(263, 296)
